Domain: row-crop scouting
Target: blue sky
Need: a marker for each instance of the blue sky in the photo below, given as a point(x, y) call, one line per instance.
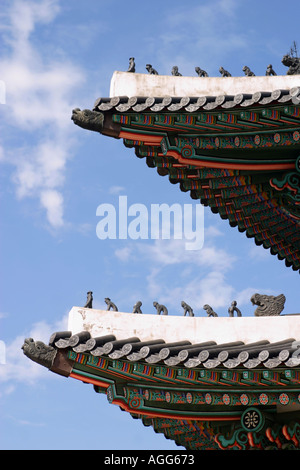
point(57, 55)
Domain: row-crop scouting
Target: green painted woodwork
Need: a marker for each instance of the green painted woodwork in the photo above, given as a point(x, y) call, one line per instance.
point(201, 409)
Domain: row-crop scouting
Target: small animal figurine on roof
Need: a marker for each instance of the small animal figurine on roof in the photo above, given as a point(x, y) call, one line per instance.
point(233, 308)
point(248, 72)
point(160, 308)
point(270, 70)
point(210, 312)
point(137, 307)
point(200, 72)
point(151, 70)
point(110, 304)
point(89, 300)
point(224, 72)
point(187, 309)
point(175, 72)
point(131, 67)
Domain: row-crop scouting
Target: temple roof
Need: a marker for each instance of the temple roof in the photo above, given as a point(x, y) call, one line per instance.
point(190, 342)
point(203, 394)
point(236, 153)
point(208, 355)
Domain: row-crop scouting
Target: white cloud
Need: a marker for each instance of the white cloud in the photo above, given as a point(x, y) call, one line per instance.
point(169, 252)
point(18, 367)
point(198, 277)
point(212, 231)
point(116, 189)
point(24, 16)
point(52, 201)
point(258, 252)
point(39, 167)
point(123, 254)
point(202, 288)
point(39, 92)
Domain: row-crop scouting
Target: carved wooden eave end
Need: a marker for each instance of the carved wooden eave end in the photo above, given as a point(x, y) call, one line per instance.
point(95, 121)
point(47, 356)
point(87, 119)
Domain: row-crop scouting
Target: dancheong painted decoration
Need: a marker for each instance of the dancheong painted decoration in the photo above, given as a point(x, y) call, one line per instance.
point(226, 399)
point(230, 383)
point(238, 154)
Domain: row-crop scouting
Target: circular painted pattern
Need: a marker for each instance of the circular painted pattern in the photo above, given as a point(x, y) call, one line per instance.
point(146, 394)
point(189, 397)
point(168, 397)
point(244, 399)
point(226, 399)
point(187, 151)
point(263, 398)
point(237, 141)
point(284, 398)
point(208, 398)
point(252, 420)
point(276, 138)
point(257, 139)
point(217, 142)
point(135, 402)
point(296, 135)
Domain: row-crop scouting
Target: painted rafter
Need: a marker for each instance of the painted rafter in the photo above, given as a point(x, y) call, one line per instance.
point(239, 155)
point(215, 404)
point(208, 411)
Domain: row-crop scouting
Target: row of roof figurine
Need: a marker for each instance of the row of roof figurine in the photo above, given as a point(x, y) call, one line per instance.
point(267, 305)
point(162, 309)
point(288, 60)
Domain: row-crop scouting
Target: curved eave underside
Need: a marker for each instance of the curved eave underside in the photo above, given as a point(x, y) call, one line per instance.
point(198, 408)
point(238, 155)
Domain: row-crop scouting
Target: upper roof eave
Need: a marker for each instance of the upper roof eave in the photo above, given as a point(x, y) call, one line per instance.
point(192, 104)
